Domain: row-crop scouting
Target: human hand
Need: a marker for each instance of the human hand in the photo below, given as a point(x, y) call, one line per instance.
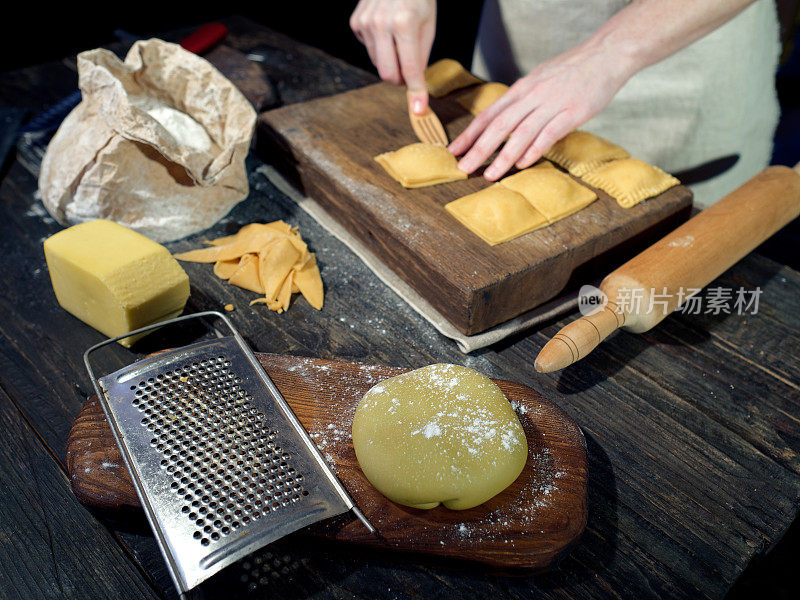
point(541, 108)
point(398, 35)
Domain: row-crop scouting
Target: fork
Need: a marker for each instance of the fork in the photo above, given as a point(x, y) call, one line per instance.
point(428, 127)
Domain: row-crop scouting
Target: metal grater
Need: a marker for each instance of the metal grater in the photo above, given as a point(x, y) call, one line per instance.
point(221, 464)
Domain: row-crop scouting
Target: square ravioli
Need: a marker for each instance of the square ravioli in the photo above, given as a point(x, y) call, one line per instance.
point(580, 152)
point(630, 180)
point(496, 214)
point(420, 165)
point(552, 192)
point(481, 97)
point(447, 75)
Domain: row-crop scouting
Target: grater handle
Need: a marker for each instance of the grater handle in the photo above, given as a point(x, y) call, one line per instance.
point(200, 315)
point(355, 510)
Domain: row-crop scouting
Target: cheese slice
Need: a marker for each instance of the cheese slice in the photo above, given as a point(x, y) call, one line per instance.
point(224, 269)
point(249, 244)
point(114, 279)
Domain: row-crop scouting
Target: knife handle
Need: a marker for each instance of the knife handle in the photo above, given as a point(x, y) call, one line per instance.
point(204, 37)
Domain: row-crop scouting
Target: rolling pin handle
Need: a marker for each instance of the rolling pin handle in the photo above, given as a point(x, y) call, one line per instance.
point(579, 338)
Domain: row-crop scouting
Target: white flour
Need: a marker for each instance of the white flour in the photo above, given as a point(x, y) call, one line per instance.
point(179, 125)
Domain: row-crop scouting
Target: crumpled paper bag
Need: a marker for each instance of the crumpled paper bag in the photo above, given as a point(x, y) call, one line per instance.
point(157, 144)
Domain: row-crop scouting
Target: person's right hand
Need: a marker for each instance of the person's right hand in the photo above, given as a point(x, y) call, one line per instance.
point(398, 35)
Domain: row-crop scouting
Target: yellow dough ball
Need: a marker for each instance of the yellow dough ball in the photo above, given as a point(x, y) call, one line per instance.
point(440, 434)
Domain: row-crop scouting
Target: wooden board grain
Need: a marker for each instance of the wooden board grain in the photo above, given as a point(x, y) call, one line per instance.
point(526, 527)
point(50, 547)
point(326, 147)
point(692, 430)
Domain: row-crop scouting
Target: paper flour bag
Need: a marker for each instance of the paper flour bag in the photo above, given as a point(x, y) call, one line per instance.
point(157, 144)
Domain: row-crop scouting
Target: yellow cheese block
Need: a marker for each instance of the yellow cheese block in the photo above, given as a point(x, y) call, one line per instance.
point(114, 279)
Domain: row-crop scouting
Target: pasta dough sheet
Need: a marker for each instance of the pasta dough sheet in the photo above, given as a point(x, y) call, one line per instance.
point(552, 192)
point(481, 97)
point(580, 152)
point(447, 75)
point(266, 258)
point(420, 165)
point(496, 214)
point(630, 180)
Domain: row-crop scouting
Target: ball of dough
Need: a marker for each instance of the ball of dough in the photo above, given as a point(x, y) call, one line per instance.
point(440, 434)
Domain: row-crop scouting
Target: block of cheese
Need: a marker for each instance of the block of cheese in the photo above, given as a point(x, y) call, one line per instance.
point(114, 279)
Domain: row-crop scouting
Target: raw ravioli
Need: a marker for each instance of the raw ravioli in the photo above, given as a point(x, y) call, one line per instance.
point(496, 214)
point(630, 181)
point(580, 152)
point(421, 165)
point(552, 192)
point(447, 75)
point(479, 98)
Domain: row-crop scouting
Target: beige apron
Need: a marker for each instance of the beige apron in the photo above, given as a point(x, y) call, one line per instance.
point(714, 98)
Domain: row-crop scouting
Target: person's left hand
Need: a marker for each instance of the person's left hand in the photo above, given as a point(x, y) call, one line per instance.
point(541, 108)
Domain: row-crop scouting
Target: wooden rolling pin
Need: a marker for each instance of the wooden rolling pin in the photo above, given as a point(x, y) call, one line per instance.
point(687, 259)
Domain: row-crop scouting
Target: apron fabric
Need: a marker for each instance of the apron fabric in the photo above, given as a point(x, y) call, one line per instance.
point(714, 98)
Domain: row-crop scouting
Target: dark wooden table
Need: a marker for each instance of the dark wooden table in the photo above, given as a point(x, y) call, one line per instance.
point(693, 429)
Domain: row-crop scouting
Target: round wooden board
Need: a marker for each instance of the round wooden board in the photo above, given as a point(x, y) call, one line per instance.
point(527, 527)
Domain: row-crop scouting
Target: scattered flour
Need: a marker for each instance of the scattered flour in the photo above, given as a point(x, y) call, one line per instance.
point(684, 242)
point(431, 430)
point(519, 408)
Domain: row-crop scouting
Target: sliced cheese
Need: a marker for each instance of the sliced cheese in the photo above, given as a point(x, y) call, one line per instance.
point(114, 279)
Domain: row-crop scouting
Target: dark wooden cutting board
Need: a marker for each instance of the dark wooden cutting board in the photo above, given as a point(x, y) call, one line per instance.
point(526, 527)
point(326, 147)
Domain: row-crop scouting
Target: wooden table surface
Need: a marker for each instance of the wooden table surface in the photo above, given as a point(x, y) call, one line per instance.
point(693, 430)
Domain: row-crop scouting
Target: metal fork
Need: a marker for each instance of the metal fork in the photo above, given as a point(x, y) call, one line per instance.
point(428, 127)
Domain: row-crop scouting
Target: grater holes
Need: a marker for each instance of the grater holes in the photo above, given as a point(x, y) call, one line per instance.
point(217, 447)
